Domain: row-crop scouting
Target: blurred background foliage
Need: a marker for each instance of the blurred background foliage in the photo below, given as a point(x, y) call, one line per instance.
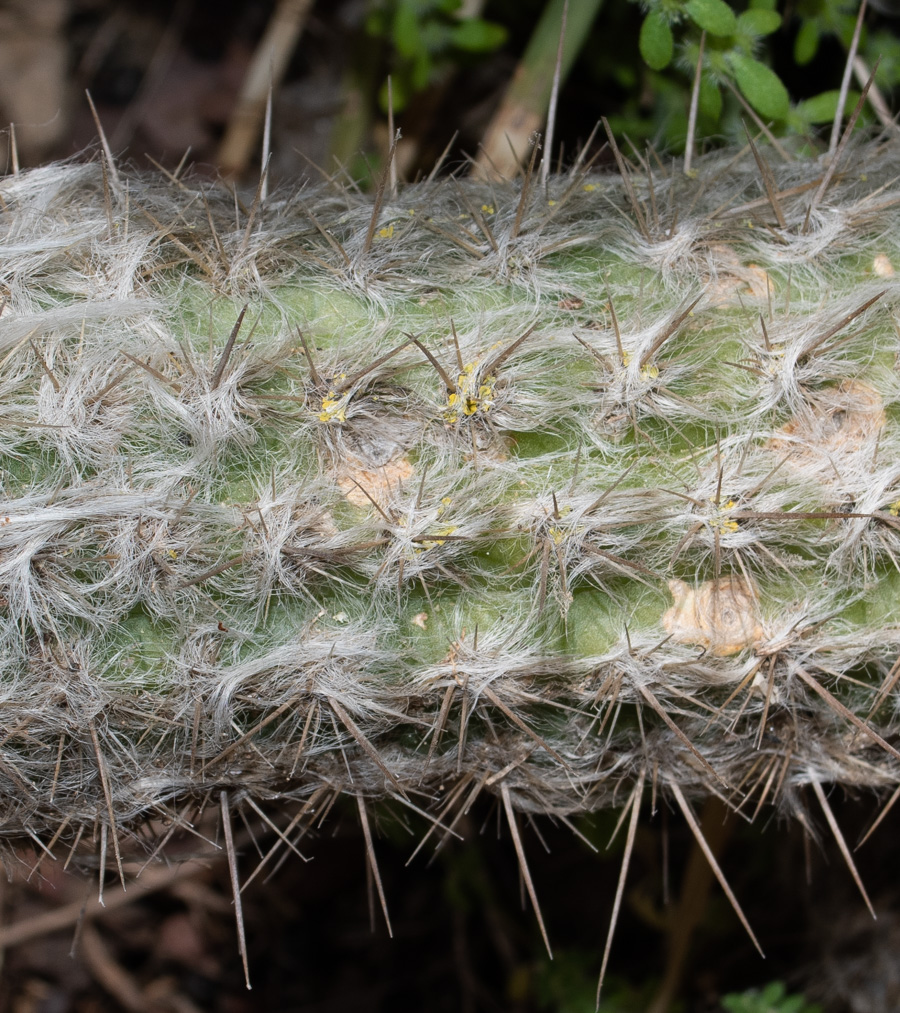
point(474, 75)
point(637, 61)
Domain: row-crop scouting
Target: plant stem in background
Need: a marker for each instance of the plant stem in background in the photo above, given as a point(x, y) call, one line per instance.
point(717, 826)
point(524, 107)
point(265, 73)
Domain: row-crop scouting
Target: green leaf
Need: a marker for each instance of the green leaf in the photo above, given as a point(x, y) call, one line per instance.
point(435, 36)
point(656, 42)
point(763, 5)
point(420, 76)
point(761, 86)
point(821, 108)
point(714, 16)
point(757, 22)
point(807, 42)
point(710, 103)
point(376, 23)
point(475, 35)
point(772, 999)
point(407, 38)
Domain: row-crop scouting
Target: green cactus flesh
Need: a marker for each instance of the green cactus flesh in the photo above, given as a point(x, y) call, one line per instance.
point(530, 490)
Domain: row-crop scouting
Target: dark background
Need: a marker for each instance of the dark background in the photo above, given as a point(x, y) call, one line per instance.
point(165, 77)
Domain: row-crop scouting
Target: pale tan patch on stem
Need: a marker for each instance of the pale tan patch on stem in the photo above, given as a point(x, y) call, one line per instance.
point(882, 266)
point(735, 280)
point(380, 483)
point(842, 422)
point(721, 616)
